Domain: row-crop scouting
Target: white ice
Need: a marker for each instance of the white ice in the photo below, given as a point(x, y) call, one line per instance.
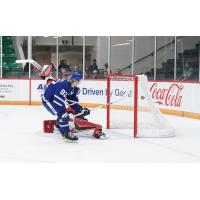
point(22, 140)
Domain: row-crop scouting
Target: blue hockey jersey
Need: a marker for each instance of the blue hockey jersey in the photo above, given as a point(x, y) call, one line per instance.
point(60, 92)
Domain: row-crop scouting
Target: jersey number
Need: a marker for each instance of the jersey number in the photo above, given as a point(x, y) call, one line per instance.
point(63, 93)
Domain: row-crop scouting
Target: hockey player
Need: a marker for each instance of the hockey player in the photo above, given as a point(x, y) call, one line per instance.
point(55, 100)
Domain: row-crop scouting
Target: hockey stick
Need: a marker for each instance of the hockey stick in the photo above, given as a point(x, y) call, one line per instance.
point(38, 66)
point(98, 107)
point(45, 70)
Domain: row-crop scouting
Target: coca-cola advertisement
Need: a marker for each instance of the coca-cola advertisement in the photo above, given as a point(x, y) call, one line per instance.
point(169, 95)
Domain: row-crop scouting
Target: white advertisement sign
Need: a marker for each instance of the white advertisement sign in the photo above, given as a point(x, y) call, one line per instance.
point(37, 89)
point(93, 92)
point(14, 90)
point(176, 95)
point(167, 95)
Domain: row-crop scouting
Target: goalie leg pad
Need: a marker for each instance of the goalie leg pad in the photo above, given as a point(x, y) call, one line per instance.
point(84, 125)
point(48, 126)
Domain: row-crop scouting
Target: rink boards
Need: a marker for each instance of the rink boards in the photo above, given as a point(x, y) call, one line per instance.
point(174, 98)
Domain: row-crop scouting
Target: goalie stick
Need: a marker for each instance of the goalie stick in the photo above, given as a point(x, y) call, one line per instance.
point(45, 70)
point(34, 63)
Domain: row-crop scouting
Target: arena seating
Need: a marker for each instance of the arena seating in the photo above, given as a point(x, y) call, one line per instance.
point(167, 69)
point(8, 55)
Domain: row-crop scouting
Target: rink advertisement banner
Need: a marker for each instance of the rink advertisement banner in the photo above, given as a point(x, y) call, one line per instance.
point(91, 92)
point(168, 96)
point(14, 91)
point(37, 89)
point(176, 96)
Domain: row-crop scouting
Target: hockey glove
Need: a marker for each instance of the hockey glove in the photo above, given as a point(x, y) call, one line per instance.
point(85, 111)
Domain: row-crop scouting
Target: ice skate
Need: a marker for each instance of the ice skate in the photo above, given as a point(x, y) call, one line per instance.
point(69, 137)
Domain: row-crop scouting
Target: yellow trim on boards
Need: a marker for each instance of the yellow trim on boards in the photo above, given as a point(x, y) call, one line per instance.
point(93, 105)
point(14, 102)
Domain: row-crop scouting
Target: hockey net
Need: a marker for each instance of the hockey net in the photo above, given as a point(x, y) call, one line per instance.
point(130, 106)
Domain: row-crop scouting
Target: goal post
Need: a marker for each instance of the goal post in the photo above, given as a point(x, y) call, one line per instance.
point(135, 100)
point(135, 103)
point(130, 106)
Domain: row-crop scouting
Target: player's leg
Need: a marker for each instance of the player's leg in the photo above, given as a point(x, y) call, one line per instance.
point(49, 106)
point(62, 120)
point(64, 127)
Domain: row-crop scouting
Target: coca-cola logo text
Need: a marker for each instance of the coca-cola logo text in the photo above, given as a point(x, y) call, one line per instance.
point(170, 96)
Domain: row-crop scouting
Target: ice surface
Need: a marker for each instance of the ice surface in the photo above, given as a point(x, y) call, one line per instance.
point(22, 140)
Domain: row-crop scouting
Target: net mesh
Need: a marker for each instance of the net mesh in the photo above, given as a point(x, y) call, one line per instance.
point(150, 121)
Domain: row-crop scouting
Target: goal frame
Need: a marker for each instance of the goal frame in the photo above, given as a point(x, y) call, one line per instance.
point(135, 101)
